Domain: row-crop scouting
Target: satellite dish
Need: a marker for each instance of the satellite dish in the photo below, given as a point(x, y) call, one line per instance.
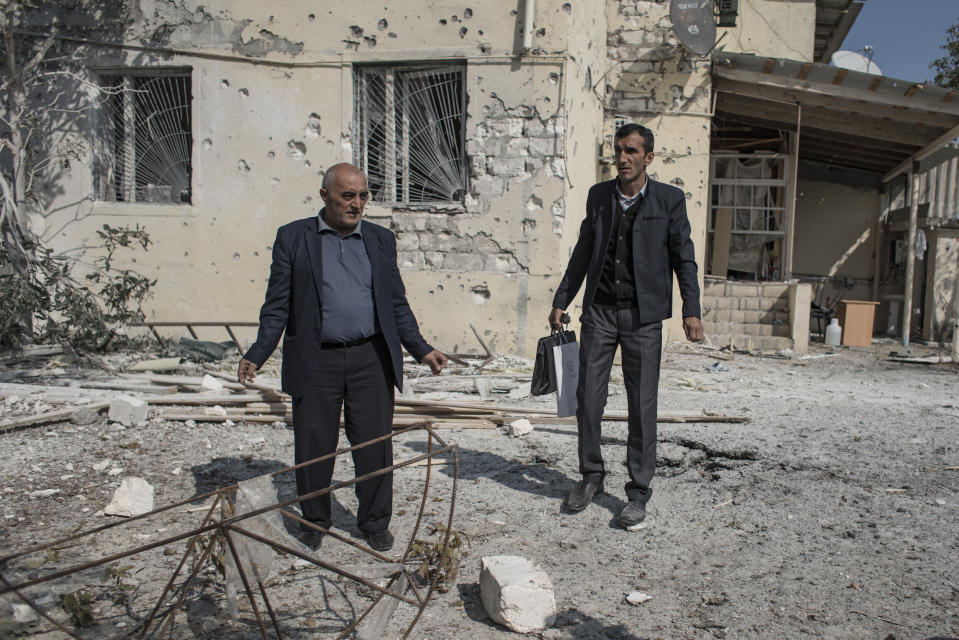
point(854, 62)
point(694, 24)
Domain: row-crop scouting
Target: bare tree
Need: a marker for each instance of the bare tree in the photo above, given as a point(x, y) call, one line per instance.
point(44, 93)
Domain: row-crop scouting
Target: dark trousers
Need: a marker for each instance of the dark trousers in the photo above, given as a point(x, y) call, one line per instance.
point(603, 328)
point(358, 380)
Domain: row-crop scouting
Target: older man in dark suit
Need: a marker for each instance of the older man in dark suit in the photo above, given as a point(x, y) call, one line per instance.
point(634, 237)
point(336, 291)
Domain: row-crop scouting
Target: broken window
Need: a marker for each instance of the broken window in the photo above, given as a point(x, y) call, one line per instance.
point(409, 126)
point(144, 141)
point(748, 207)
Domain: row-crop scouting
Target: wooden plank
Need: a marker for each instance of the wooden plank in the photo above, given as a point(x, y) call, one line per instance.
point(768, 67)
point(923, 153)
point(722, 238)
point(911, 91)
point(950, 96)
point(875, 83)
point(128, 386)
point(48, 417)
point(840, 74)
point(821, 118)
point(804, 71)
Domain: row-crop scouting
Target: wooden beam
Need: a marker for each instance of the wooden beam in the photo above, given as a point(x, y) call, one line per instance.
point(768, 67)
point(859, 105)
point(911, 91)
point(722, 236)
point(840, 74)
point(820, 118)
point(875, 83)
point(950, 96)
point(804, 71)
point(792, 194)
point(849, 93)
point(924, 153)
point(910, 254)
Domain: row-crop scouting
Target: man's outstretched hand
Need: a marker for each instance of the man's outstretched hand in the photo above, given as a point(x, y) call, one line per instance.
point(435, 360)
point(246, 372)
point(693, 327)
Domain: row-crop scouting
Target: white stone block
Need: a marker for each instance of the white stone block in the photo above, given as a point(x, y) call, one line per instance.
point(519, 427)
point(210, 383)
point(133, 497)
point(128, 411)
point(516, 593)
point(24, 613)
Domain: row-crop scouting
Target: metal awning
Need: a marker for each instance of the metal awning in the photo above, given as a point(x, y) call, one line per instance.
point(848, 118)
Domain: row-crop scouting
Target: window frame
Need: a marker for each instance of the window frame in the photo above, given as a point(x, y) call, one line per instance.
point(396, 154)
point(106, 186)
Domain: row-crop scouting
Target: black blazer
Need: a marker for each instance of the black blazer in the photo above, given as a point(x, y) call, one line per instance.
point(661, 246)
point(294, 302)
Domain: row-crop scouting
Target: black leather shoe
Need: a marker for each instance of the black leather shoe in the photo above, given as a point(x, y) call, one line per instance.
point(632, 514)
point(311, 537)
point(581, 495)
point(380, 540)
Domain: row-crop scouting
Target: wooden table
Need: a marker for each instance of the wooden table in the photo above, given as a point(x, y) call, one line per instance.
point(856, 318)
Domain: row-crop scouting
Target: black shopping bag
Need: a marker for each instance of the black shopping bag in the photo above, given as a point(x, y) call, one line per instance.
point(544, 369)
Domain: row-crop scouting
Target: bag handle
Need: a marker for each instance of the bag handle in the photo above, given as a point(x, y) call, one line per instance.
point(564, 319)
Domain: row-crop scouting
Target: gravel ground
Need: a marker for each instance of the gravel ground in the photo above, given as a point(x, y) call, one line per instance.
point(831, 514)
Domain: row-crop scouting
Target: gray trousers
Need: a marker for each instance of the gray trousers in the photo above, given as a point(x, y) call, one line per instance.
point(603, 328)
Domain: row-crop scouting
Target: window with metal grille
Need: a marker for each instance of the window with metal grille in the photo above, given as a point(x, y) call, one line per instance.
point(409, 126)
point(144, 141)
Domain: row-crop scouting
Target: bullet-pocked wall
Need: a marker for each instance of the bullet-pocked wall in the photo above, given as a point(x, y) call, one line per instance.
point(272, 105)
point(653, 80)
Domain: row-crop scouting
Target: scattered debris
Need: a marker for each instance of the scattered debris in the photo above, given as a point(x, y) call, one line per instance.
point(519, 427)
point(638, 597)
point(129, 410)
point(134, 497)
point(517, 594)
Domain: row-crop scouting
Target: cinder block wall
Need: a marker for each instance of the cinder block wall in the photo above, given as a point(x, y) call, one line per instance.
point(747, 315)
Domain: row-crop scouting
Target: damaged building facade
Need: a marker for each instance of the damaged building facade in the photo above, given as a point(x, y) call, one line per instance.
point(482, 126)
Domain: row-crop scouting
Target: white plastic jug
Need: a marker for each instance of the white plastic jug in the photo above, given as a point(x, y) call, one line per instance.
point(833, 333)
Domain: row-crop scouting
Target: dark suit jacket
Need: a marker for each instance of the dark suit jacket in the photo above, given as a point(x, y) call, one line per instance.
point(294, 303)
point(661, 246)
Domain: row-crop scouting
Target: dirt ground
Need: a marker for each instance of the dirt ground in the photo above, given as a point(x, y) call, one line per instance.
point(832, 513)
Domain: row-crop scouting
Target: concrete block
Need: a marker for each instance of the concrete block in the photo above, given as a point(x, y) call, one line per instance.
point(507, 167)
point(544, 146)
point(518, 428)
point(781, 330)
point(463, 262)
point(737, 316)
point(717, 289)
point(512, 127)
point(772, 343)
point(407, 241)
point(752, 304)
point(517, 147)
point(775, 290)
point(765, 329)
point(752, 329)
point(752, 317)
point(720, 339)
point(740, 290)
point(128, 410)
point(728, 303)
point(133, 497)
point(516, 593)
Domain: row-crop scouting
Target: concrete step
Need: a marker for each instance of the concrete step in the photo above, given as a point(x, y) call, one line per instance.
point(739, 328)
point(749, 343)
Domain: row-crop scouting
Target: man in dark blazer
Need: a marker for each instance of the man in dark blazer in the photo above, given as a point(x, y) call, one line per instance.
point(336, 292)
point(634, 237)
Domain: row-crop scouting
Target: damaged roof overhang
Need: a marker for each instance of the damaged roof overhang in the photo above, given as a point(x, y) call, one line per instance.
point(834, 19)
point(849, 119)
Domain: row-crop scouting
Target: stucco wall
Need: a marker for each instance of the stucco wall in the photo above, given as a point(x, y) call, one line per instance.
point(263, 134)
point(654, 81)
point(774, 28)
point(835, 214)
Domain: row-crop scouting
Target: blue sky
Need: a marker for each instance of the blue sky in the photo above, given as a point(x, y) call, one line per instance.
point(905, 36)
